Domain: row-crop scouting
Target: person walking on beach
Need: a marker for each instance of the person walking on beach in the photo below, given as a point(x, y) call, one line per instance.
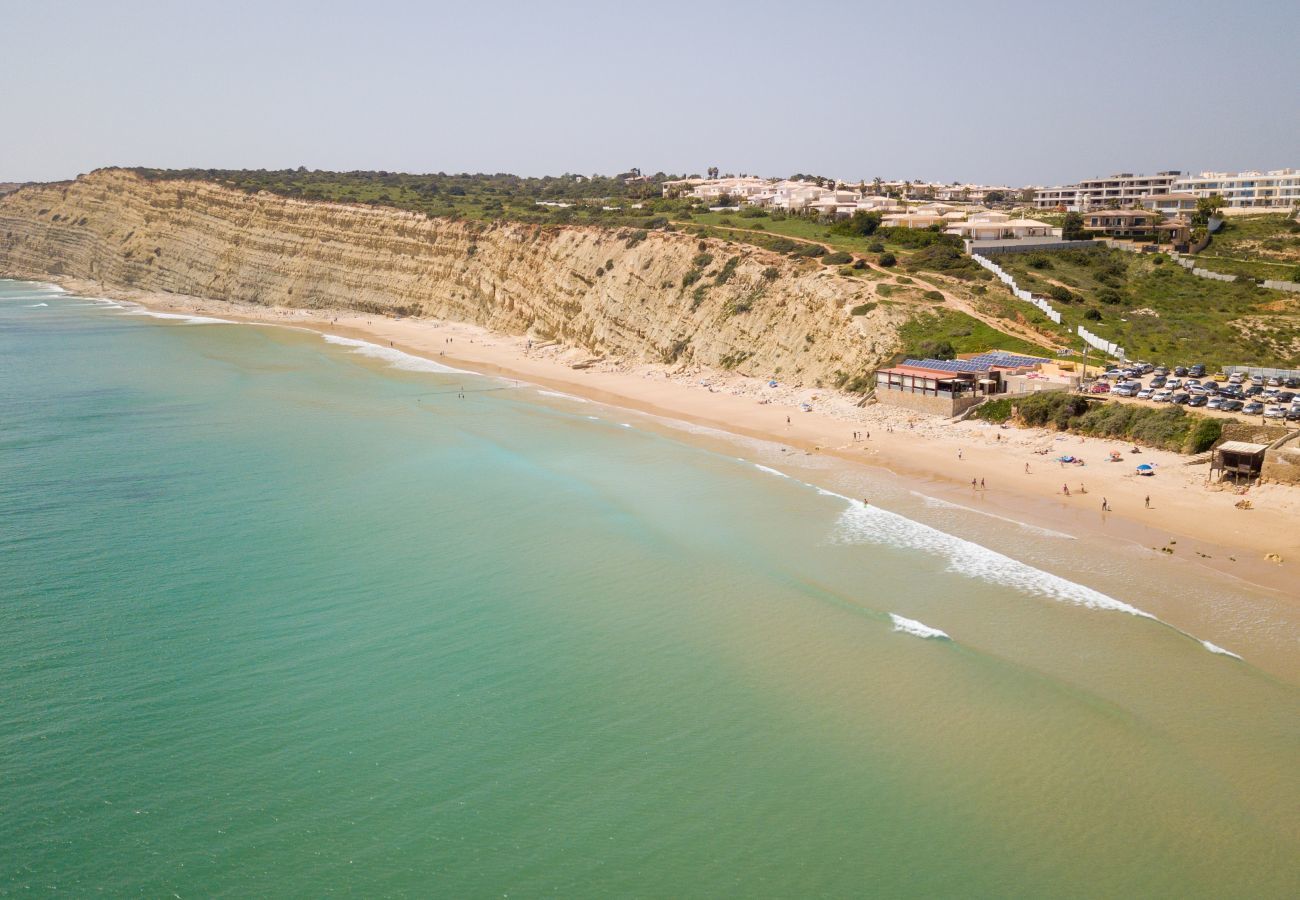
point(1148, 501)
point(959, 453)
point(981, 484)
point(1065, 489)
point(1105, 507)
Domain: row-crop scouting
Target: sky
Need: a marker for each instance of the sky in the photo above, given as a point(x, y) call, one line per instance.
point(987, 92)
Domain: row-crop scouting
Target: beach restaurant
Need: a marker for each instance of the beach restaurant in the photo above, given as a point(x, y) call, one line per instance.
point(949, 387)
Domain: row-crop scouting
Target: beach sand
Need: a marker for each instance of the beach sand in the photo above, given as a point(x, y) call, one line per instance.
point(1187, 517)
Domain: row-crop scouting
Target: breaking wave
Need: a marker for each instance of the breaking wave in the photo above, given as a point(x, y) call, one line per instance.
point(398, 359)
point(1215, 648)
point(860, 523)
point(918, 629)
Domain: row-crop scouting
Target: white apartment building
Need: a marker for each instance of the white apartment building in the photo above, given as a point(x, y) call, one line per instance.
point(1243, 190)
point(1115, 191)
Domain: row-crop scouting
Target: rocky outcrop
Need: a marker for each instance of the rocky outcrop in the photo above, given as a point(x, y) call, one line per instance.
point(617, 293)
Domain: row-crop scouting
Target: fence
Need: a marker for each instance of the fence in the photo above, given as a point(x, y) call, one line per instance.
point(1101, 344)
point(1021, 294)
point(1190, 265)
point(1283, 286)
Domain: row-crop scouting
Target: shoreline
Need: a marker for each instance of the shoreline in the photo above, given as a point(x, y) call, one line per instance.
point(940, 459)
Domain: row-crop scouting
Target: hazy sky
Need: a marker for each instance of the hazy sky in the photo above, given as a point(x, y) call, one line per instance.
point(1036, 92)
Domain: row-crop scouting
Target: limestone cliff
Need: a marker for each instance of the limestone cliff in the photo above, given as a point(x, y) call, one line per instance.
point(617, 293)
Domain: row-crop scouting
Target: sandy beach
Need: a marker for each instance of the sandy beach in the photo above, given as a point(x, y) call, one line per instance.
point(1006, 471)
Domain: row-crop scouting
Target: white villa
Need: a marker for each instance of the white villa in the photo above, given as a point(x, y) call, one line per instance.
point(995, 226)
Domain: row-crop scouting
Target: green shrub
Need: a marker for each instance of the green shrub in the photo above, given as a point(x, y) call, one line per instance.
point(690, 278)
point(933, 295)
point(1059, 293)
point(810, 250)
point(876, 247)
point(862, 309)
point(993, 410)
point(838, 258)
point(771, 273)
point(1093, 315)
point(702, 260)
point(728, 269)
point(887, 260)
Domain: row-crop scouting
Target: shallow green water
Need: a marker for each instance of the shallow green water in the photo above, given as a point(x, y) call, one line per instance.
point(279, 618)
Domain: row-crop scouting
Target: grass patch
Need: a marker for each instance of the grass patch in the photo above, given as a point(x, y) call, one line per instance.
point(964, 333)
point(1163, 313)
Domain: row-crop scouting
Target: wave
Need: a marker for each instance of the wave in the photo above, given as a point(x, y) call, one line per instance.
point(181, 317)
point(861, 523)
point(918, 629)
point(769, 470)
point(547, 393)
point(36, 305)
point(1215, 648)
point(398, 359)
point(1036, 529)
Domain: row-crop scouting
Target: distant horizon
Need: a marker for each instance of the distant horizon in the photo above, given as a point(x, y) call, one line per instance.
point(671, 174)
point(1012, 92)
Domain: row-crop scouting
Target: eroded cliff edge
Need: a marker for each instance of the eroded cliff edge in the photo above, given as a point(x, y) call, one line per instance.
point(614, 293)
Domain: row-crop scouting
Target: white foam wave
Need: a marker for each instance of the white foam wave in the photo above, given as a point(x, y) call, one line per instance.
point(624, 424)
point(1036, 529)
point(1215, 648)
point(36, 305)
point(860, 523)
point(398, 359)
point(181, 317)
point(547, 393)
point(918, 629)
point(769, 470)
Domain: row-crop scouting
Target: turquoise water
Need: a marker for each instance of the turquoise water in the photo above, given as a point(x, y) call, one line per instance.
point(283, 618)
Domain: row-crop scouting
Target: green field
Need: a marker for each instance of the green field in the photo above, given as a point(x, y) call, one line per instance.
point(922, 335)
point(1160, 312)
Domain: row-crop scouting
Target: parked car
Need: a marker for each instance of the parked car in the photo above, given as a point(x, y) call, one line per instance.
point(1194, 388)
point(1161, 396)
point(1253, 408)
point(1285, 396)
point(1197, 371)
point(1275, 382)
point(1293, 414)
point(1127, 389)
point(1215, 402)
point(1158, 381)
point(1174, 383)
point(1144, 394)
point(1162, 371)
point(1257, 380)
point(1219, 376)
point(1180, 371)
point(1180, 399)
point(1236, 378)
point(1292, 383)
point(1198, 400)
point(1254, 390)
point(1275, 412)
point(1100, 387)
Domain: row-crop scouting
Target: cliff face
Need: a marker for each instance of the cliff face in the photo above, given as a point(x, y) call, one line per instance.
point(188, 237)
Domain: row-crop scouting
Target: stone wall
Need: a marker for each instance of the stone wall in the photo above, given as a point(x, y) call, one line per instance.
point(931, 404)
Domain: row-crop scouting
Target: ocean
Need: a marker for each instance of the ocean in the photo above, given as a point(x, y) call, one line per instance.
point(293, 616)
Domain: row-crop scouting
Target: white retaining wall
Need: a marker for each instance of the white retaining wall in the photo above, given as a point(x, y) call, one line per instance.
point(1047, 308)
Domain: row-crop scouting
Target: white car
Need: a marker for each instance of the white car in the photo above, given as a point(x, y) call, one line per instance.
point(1144, 394)
point(1275, 412)
point(1161, 396)
point(1174, 383)
point(1236, 378)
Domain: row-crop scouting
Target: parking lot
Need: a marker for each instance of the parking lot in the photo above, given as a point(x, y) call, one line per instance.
point(1238, 396)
